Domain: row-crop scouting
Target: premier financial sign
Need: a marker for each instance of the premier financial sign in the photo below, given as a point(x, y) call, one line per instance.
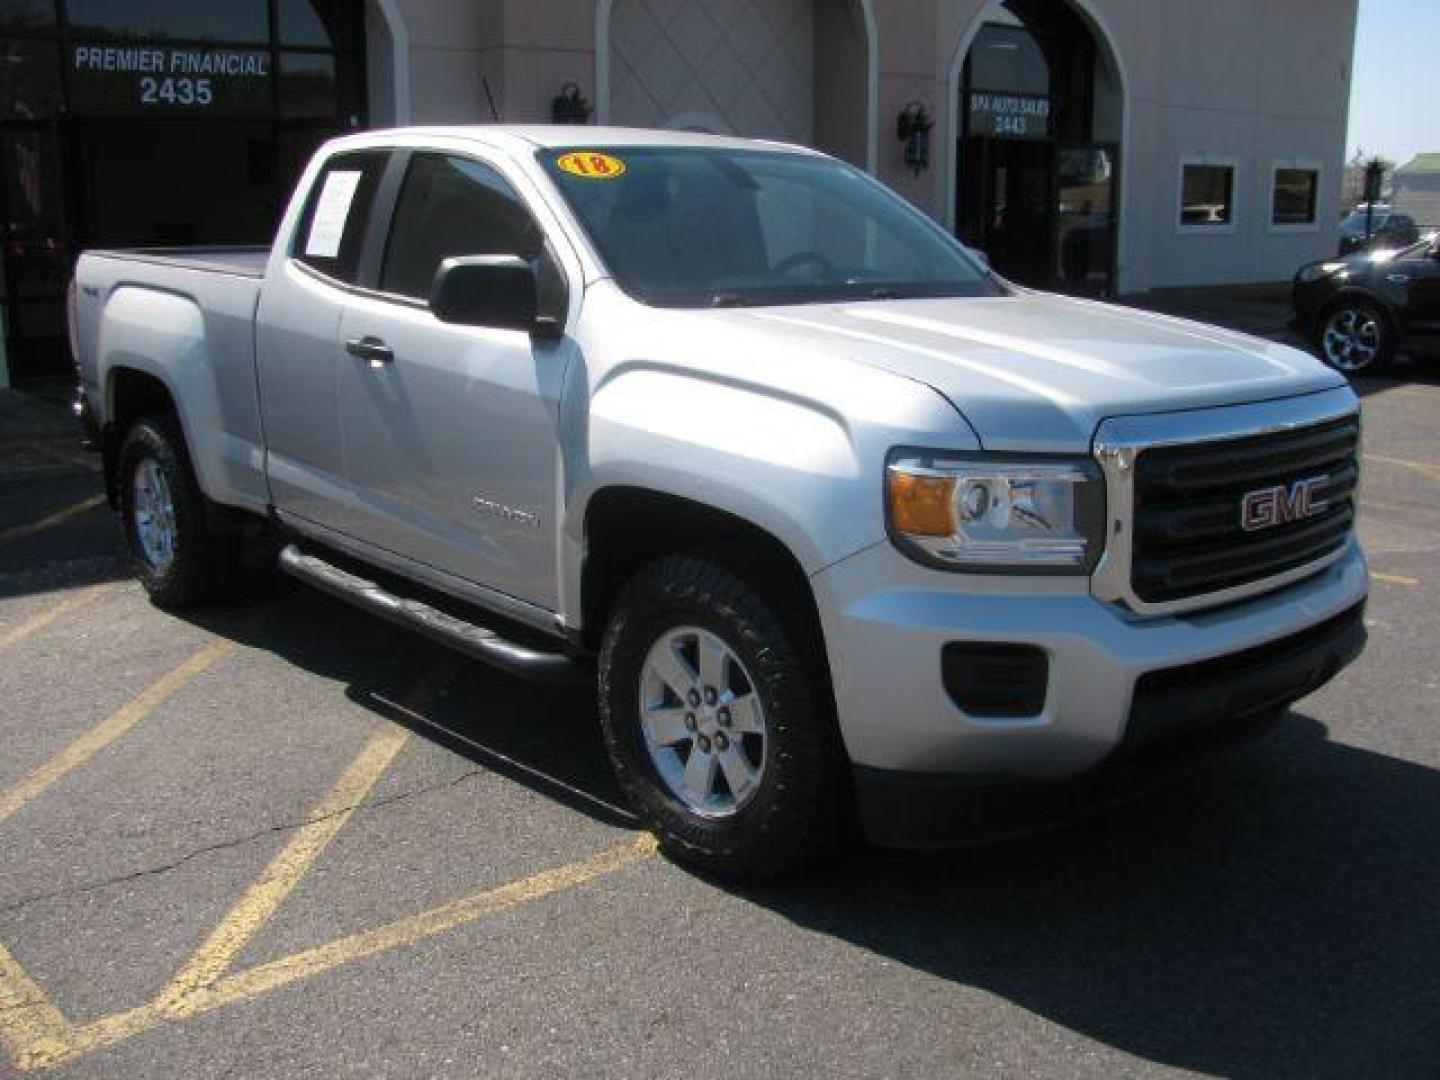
point(148, 78)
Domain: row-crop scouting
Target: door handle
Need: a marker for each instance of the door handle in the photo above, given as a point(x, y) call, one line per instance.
point(371, 349)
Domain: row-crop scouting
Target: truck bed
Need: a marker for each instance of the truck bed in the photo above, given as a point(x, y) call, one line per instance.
point(240, 261)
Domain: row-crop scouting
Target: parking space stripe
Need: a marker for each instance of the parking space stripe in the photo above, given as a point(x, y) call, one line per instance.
point(243, 985)
point(1393, 579)
point(1426, 467)
point(287, 868)
point(45, 618)
point(112, 728)
point(31, 1028)
point(279, 879)
point(30, 528)
point(301, 965)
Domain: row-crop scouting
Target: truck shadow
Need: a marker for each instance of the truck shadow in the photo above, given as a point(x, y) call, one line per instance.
point(1273, 915)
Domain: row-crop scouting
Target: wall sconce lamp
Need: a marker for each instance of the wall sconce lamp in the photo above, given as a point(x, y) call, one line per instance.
point(913, 128)
point(570, 106)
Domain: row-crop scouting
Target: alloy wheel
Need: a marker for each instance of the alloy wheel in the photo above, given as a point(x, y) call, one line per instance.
point(703, 722)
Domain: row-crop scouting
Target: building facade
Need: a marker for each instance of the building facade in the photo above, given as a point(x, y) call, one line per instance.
point(1096, 146)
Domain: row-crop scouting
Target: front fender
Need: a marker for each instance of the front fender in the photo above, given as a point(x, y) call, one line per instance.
point(806, 470)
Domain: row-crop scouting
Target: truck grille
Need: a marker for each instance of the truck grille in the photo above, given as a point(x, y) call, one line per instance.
point(1189, 539)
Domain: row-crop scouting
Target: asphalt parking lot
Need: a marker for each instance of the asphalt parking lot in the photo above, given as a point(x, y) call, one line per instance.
point(281, 838)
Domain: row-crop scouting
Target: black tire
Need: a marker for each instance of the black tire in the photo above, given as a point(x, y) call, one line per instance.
point(800, 812)
point(1345, 342)
point(205, 560)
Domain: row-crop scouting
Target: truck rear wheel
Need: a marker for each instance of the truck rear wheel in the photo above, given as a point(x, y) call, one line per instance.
point(177, 557)
point(716, 726)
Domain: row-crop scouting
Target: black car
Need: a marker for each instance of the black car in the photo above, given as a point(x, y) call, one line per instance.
point(1387, 230)
point(1359, 310)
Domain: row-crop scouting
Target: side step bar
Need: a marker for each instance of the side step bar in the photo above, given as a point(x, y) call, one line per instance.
point(469, 638)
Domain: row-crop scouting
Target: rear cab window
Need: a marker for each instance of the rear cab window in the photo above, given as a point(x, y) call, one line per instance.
point(331, 233)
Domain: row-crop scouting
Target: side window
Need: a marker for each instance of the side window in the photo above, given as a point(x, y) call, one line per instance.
point(453, 206)
point(331, 232)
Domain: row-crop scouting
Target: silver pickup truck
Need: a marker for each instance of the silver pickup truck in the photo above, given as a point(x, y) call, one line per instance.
point(841, 526)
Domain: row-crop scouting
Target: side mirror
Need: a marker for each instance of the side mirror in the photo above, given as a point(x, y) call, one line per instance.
point(497, 291)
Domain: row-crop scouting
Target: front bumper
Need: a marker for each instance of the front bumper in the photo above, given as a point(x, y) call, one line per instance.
point(1110, 678)
point(1179, 717)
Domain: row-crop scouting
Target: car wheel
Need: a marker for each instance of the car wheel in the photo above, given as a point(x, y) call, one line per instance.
point(177, 558)
point(717, 722)
point(1355, 338)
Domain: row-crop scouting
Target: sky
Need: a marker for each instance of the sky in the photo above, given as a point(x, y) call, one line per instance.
point(1395, 90)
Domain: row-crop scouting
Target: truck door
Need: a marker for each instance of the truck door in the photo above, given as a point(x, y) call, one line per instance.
point(451, 432)
point(299, 355)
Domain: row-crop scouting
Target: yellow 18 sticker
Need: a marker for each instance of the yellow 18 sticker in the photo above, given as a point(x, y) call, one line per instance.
point(591, 164)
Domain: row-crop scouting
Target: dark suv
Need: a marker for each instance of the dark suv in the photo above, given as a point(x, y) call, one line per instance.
point(1361, 308)
point(1388, 231)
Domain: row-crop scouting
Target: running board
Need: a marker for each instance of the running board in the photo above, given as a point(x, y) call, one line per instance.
point(470, 638)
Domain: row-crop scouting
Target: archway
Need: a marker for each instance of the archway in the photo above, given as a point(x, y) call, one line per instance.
point(796, 70)
point(1036, 144)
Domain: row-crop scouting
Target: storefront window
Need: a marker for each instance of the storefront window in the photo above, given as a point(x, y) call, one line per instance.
point(27, 16)
point(171, 20)
point(307, 84)
point(317, 24)
point(29, 80)
point(1295, 198)
point(1207, 195)
point(1008, 59)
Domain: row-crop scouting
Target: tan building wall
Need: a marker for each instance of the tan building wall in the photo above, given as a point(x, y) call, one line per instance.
point(1257, 83)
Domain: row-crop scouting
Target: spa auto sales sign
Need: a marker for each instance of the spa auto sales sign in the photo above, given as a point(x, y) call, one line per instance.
point(168, 79)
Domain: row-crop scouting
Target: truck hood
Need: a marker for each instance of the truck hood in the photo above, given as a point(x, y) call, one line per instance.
point(1037, 372)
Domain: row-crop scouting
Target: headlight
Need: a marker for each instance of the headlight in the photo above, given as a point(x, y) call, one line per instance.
point(1316, 271)
point(984, 515)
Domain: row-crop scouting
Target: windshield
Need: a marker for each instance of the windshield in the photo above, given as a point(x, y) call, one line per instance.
point(1354, 225)
point(687, 227)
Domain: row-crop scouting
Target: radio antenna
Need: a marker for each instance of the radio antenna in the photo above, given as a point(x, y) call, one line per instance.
point(485, 82)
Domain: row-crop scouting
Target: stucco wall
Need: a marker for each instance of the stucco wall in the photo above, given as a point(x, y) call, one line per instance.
point(1254, 81)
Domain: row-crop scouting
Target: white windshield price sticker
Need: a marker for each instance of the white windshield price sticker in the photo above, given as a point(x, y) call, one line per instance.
point(328, 225)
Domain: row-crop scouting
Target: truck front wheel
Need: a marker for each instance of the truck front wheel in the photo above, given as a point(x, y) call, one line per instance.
point(716, 726)
point(176, 556)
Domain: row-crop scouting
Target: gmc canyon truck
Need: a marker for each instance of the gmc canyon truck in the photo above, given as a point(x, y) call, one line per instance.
point(840, 526)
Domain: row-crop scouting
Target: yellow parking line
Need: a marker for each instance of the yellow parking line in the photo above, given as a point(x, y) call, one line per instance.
point(1393, 579)
point(31, 1028)
point(277, 973)
point(15, 532)
point(114, 726)
point(1426, 467)
point(287, 868)
point(244, 985)
point(50, 614)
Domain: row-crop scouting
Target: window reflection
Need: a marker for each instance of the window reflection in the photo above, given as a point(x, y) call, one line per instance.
point(1208, 195)
point(26, 16)
point(29, 80)
point(1296, 194)
point(171, 20)
point(307, 84)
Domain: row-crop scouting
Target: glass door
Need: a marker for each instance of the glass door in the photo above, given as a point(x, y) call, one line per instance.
point(1086, 189)
point(1005, 206)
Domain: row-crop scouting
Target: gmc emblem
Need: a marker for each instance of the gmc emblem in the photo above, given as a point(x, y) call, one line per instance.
point(1279, 505)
